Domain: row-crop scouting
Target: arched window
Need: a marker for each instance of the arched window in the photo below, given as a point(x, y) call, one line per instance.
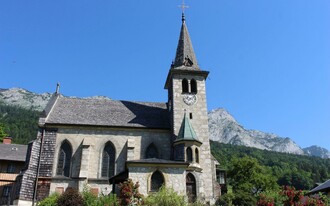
point(152, 151)
point(185, 86)
point(108, 160)
point(189, 154)
point(197, 155)
point(193, 86)
point(64, 159)
point(191, 187)
point(157, 180)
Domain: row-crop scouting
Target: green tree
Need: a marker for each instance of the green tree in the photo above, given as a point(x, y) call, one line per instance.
point(2, 132)
point(248, 179)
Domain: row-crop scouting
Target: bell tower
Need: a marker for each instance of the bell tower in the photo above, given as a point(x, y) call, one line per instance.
point(188, 108)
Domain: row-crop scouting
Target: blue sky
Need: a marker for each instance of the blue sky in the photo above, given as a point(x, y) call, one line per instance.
point(269, 61)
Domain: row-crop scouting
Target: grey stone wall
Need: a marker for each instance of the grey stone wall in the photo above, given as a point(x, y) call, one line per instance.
point(87, 147)
point(200, 124)
point(174, 178)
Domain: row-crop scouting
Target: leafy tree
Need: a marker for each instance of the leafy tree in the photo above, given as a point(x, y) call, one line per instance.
point(248, 179)
point(2, 132)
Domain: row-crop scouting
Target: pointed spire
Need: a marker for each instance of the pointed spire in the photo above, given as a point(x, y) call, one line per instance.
point(186, 130)
point(185, 55)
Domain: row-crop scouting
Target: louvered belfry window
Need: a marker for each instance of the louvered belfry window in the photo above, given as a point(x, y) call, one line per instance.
point(185, 86)
point(193, 86)
point(108, 160)
point(64, 160)
point(152, 151)
point(157, 180)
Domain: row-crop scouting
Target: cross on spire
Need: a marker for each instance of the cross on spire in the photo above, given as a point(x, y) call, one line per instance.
point(183, 7)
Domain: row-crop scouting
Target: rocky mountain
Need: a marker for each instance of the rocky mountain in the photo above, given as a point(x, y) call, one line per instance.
point(317, 151)
point(29, 100)
point(223, 127)
point(24, 98)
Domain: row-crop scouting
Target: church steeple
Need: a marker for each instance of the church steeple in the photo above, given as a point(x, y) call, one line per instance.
point(185, 55)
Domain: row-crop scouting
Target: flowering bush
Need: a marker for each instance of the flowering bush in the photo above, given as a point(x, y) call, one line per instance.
point(265, 201)
point(129, 193)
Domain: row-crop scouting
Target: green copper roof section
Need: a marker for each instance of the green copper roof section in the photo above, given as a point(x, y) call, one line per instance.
point(186, 130)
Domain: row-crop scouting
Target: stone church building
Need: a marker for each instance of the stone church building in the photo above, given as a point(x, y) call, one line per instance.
point(102, 142)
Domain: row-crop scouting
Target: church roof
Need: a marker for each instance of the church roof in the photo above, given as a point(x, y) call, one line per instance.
point(185, 57)
point(106, 112)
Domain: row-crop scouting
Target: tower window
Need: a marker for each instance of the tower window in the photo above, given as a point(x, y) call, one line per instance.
point(197, 155)
point(152, 151)
point(64, 159)
point(185, 88)
point(157, 180)
point(193, 86)
point(189, 154)
point(108, 160)
point(190, 115)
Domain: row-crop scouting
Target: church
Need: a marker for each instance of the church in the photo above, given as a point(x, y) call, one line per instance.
point(102, 142)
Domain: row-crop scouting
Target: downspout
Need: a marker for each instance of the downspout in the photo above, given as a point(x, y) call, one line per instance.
point(38, 168)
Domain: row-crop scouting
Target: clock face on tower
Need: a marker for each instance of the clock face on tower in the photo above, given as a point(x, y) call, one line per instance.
point(189, 99)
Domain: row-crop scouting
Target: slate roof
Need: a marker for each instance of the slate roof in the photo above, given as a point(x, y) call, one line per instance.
point(106, 112)
point(322, 187)
point(13, 152)
point(185, 55)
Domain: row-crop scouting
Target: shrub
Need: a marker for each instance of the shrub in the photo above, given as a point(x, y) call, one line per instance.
point(90, 199)
point(164, 197)
point(108, 200)
point(70, 197)
point(50, 200)
point(129, 193)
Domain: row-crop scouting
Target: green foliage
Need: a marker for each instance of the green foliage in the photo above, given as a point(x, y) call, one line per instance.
point(129, 193)
point(70, 197)
point(164, 197)
point(50, 200)
point(91, 199)
point(19, 123)
point(288, 169)
point(2, 131)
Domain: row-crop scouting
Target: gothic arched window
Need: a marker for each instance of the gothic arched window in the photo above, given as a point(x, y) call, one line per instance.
point(108, 160)
point(185, 86)
point(197, 155)
point(193, 86)
point(189, 154)
point(157, 180)
point(152, 151)
point(64, 159)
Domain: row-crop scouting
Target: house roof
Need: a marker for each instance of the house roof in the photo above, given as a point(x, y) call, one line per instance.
point(107, 112)
point(13, 152)
point(322, 187)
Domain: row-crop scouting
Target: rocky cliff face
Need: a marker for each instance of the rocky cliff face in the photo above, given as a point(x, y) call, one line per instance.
point(24, 98)
point(317, 151)
point(224, 128)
